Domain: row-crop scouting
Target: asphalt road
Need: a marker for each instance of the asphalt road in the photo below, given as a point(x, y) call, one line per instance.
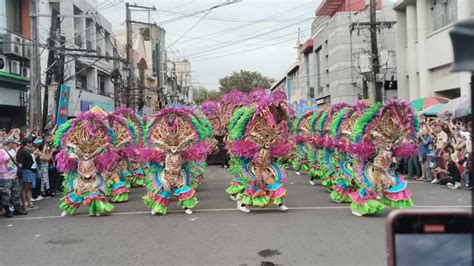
point(314, 231)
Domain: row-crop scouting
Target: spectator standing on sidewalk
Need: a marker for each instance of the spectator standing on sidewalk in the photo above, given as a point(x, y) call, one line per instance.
point(424, 140)
point(44, 155)
point(26, 160)
point(9, 181)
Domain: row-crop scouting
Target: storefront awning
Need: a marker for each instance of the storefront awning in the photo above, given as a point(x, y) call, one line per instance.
point(14, 82)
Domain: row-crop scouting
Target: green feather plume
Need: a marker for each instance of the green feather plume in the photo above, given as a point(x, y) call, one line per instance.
point(336, 122)
point(321, 120)
point(359, 127)
point(60, 132)
point(314, 119)
point(238, 130)
point(235, 117)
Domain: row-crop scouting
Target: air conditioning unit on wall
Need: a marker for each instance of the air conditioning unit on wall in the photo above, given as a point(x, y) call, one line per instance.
point(13, 44)
point(15, 67)
point(4, 64)
point(25, 72)
point(26, 49)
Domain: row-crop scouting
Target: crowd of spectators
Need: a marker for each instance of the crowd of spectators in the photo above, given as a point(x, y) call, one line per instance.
point(445, 151)
point(27, 170)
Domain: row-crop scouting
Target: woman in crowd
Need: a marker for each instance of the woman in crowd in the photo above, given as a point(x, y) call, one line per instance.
point(26, 160)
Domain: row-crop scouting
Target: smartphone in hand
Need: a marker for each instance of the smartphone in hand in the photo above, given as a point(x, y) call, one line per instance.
point(430, 237)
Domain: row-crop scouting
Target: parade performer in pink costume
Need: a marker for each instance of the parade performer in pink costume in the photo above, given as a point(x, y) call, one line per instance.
point(174, 138)
point(258, 135)
point(381, 133)
point(85, 155)
point(230, 103)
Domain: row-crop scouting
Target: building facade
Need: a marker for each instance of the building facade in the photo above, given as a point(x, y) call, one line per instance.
point(14, 62)
point(183, 74)
point(331, 62)
point(89, 45)
point(424, 49)
point(341, 47)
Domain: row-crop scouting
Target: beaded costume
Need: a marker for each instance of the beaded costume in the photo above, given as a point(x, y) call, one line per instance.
point(85, 155)
point(379, 136)
point(175, 139)
point(258, 135)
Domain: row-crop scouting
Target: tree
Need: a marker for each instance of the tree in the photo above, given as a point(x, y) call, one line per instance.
point(245, 81)
point(202, 94)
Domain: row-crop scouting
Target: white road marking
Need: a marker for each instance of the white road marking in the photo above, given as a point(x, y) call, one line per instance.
point(225, 210)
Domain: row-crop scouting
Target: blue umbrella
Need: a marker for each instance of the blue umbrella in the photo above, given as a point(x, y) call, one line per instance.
point(433, 110)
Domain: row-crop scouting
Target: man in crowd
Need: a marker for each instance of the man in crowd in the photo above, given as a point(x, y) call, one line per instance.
point(9, 181)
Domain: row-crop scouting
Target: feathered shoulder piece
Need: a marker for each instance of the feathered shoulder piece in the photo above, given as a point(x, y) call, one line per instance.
point(392, 121)
point(211, 109)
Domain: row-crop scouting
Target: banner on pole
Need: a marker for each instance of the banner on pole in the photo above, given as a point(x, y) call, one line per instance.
point(63, 105)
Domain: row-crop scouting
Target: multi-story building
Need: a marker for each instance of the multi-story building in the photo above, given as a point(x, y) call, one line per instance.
point(14, 62)
point(183, 74)
point(289, 83)
point(424, 49)
point(149, 57)
point(330, 61)
point(89, 45)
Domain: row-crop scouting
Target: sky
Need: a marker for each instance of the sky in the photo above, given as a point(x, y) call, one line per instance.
point(255, 35)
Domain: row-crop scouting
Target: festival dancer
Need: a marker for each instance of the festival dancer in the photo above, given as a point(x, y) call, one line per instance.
point(230, 103)
point(175, 138)
point(134, 171)
point(212, 110)
point(341, 131)
point(125, 140)
point(257, 136)
point(381, 133)
point(304, 152)
point(321, 169)
point(85, 154)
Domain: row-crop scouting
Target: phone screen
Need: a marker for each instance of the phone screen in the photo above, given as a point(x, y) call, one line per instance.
point(433, 239)
point(433, 249)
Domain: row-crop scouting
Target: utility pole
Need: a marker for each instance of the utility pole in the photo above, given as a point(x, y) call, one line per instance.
point(131, 94)
point(375, 93)
point(51, 62)
point(131, 71)
point(59, 72)
point(375, 51)
point(35, 78)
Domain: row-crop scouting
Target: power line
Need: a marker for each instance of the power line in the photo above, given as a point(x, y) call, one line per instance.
point(233, 41)
point(192, 27)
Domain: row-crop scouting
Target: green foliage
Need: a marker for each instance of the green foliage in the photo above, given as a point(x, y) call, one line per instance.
point(202, 94)
point(245, 81)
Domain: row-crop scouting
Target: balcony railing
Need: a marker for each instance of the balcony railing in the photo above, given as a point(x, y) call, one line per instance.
point(78, 40)
point(88, 45)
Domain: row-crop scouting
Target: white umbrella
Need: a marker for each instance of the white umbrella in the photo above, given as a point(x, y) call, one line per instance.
point(457, 107)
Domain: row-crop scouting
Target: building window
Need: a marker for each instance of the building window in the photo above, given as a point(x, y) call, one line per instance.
point(145, 32)
point(444, 12)
point(10, 16)
point(81, 82)
point(101, 84)
point(317, 60)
